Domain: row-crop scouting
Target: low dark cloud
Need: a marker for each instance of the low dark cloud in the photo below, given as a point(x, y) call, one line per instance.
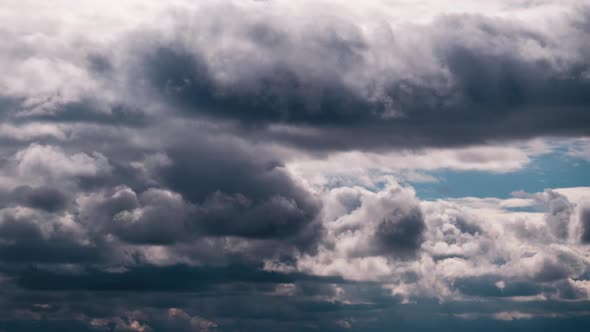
point(153, 278)
point(401, 234)
point(585, 220)
point(279, 94)
point(496, 286)
point(489, 94)
point(44, 198)
point(239, 194)
point(24, 242)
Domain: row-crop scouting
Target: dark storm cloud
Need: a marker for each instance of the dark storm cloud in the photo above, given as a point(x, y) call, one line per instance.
point(197, 183)
point(161, 312)
point(479, 81)
point(277, 216)
point(201, 169)
point(490, 95)
point(277, 95)
point(165, 311)
point(192, 186)
point(567, 291)
point(44, 198)
point(585, 221)
point(45, 325)
point(450, 323)
point(207, 191)
point(153, 217)
point(401, 234)
point(152, 278)
point(239, 192)
point(23, 242)
point(495, 286)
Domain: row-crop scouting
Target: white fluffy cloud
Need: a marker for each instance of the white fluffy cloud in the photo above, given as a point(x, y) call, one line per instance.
point(470, 247)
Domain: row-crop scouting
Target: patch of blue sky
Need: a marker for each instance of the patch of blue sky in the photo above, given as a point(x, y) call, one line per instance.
point(553, 170)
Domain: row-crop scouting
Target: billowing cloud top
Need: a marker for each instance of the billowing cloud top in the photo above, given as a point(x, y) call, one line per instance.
point(248, 165)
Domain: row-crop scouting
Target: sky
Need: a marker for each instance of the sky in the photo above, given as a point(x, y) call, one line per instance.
point(275, 165)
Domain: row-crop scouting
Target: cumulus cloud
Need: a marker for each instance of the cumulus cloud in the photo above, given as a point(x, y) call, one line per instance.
point(461, 250)
point(161, 219)
point(559, 214)
point(477, 78)
point(470, 65)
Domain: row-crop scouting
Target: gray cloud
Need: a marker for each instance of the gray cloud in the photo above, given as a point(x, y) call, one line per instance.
point(147, 178)
point(401, 235)
point(559, 215)
point(495, 286)
point(483, 79)
point(476, 79)
point(34, 239)
point(585, 219)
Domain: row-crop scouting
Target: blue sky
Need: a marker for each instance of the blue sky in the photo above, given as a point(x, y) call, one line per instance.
point(553, 170)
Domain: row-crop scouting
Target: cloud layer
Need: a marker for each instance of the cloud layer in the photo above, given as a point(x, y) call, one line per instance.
point(246, 165)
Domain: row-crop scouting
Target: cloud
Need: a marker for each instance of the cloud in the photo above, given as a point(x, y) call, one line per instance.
point(580, 149)
point(401, 235)
point(163, 167)
point(30, 237)
point(452, 79)
point(366, 229)
point(559, 214)
point(44, 198)
point(161, 219)
point(195, 323)
point(479, 79)
point(412, 165)
point(51, 161)
point(464, 249)
point(31, 131)
point(585, 222)
point(493, 286)
point(239, 190)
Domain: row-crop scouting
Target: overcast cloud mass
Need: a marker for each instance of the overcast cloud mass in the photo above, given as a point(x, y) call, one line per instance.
point(275, 165)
